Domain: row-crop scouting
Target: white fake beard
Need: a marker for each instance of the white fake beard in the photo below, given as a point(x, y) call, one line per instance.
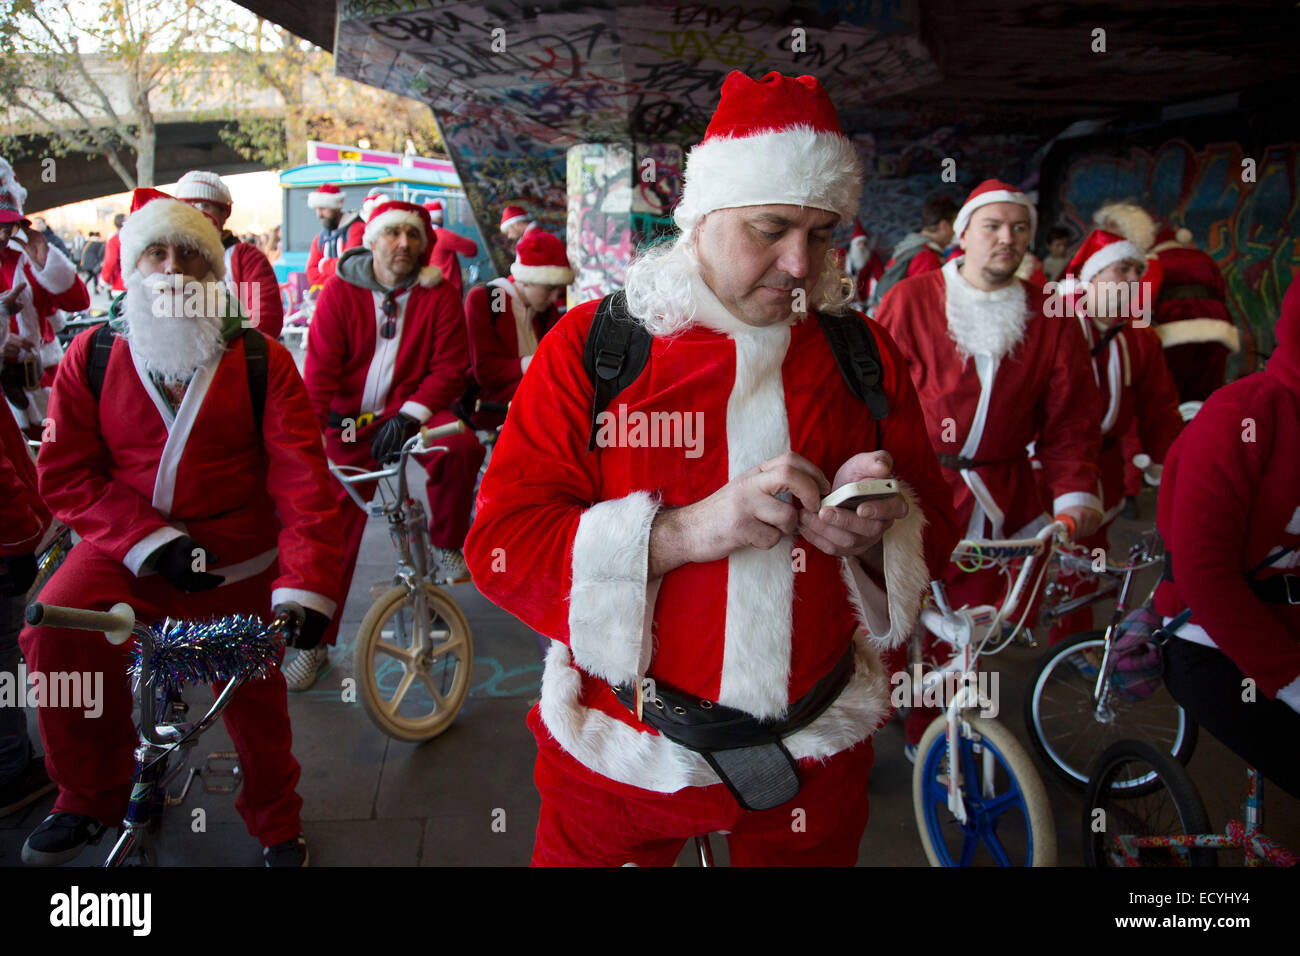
point(169, 342)
point(858, 257)
point(983, 323)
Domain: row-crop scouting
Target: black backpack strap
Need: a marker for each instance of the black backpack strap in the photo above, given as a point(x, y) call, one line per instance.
point(255, 357)
point(858, 356)
point(615, 354)
point(101, 347)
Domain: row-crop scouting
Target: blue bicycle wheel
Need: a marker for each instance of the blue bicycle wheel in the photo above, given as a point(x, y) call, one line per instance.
point(1011, 825)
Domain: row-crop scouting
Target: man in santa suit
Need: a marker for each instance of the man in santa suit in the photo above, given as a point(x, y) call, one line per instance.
point(447, 246)
point(994, 374)
point(387, 353)
point(705, 566)
point(863, 265)
point(337, 234)
point(515, 223)
point(1192, 316)
point(184, 509)
point(507, 317)
point(110, 272)
point(36, 282)
point(1137, 391)
point(249, 275)
point(1229, 514)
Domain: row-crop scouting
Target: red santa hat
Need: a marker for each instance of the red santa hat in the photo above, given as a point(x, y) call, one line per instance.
point(541, 258)
point(12, 197)
point(774, 140)
point(1128, 220)
point(200, 186)
point(1170, 238)
point(157, 217)
point(435, 211)
point(511, 215)
point(327, 196)
point(1099, 250)
point(375, 198)
point(858, 232)
point(986, 193)
point(392, 212)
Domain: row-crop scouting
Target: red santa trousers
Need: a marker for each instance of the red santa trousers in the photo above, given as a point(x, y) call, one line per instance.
point(91, 759)
point(450, 487)
point(590, 820)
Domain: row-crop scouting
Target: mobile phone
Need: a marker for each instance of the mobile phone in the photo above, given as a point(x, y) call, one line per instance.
point(855, 492)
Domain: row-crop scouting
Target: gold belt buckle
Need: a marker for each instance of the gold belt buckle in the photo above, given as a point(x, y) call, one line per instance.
point(365, 418)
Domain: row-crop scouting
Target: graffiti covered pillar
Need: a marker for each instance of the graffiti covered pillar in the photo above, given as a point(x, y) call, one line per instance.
point(619, 199)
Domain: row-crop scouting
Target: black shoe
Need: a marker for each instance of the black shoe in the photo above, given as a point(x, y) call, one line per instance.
point(61, 837)
point(289, 853)
point(25, 789)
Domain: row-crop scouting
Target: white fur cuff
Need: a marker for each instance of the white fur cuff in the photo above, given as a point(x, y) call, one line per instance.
point(59, 273)
point(889, 615)
point(1195, 331)
point(309, 599)
point(1076, 499)
point(610, 605)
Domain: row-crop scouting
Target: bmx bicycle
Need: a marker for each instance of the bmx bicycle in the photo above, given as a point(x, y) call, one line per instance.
point(975, 790)
point(414, 651)
point(234, 649)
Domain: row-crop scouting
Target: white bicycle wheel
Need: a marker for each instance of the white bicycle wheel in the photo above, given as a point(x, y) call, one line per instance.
point(1011, 825)
point(409, 693)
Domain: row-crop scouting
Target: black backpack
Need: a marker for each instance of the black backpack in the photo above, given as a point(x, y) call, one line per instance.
point(255, 358)
point(618, 348)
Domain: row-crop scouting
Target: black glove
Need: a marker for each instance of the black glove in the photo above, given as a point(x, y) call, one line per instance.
point(308, 625)
point(17, 575)
point(390, 437)
point(175, 562)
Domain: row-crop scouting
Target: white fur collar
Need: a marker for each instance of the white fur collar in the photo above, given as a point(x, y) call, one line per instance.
point(983, 323)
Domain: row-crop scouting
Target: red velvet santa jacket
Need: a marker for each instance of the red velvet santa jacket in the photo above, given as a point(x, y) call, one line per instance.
point(446, 245)
point(128, 475)
point(251, 277)
point(1229, 498)
point(56, 286)
point(23, 515)
point(1191, 301)
point(990, 410)
point(351, 370)
point(561, 539)
point(495, 360)
point(1135, 384)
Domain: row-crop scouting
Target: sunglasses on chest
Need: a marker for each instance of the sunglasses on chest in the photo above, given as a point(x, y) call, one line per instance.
point(389, 328)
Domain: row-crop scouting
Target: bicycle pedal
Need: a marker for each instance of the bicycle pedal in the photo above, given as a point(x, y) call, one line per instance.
point(232, 771)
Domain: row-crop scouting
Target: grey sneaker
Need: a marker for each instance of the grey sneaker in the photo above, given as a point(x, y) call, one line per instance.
point(452, 568)
point(301, 672)
point(61, 837)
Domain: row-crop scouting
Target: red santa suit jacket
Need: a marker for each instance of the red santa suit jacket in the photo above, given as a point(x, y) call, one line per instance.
point(497, 361)
point(111, 271)
point(323, 257)
point(1135, 386)
point(446, 246)
point(1229, 498)
point(250, 276)
point(989, 410)
point(561, 539)
point(1192, 318)
point(351, 370)
point(128, 474)
point(23, 515)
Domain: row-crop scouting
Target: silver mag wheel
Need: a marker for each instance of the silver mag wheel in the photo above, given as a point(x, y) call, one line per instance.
point(1124, 827)
point(1009, 824)
point(413, 688)
point(1068, 731)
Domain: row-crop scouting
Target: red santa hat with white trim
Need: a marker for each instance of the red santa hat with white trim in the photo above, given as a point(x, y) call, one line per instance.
point(200, 186)
point(157, 217)
point(435, 211)
point(513, 214)
point(771, 141)
point(541, 258)
point(1100, 250)
point(328, 196)
point(987, 193)
point(858, 233)
point(374, 199)
point(12, 196)
point(394, 212)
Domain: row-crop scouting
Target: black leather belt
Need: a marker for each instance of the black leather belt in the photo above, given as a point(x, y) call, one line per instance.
point(958, 463)
point(1187, 291)
point(359, 421)
point(748, 754)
